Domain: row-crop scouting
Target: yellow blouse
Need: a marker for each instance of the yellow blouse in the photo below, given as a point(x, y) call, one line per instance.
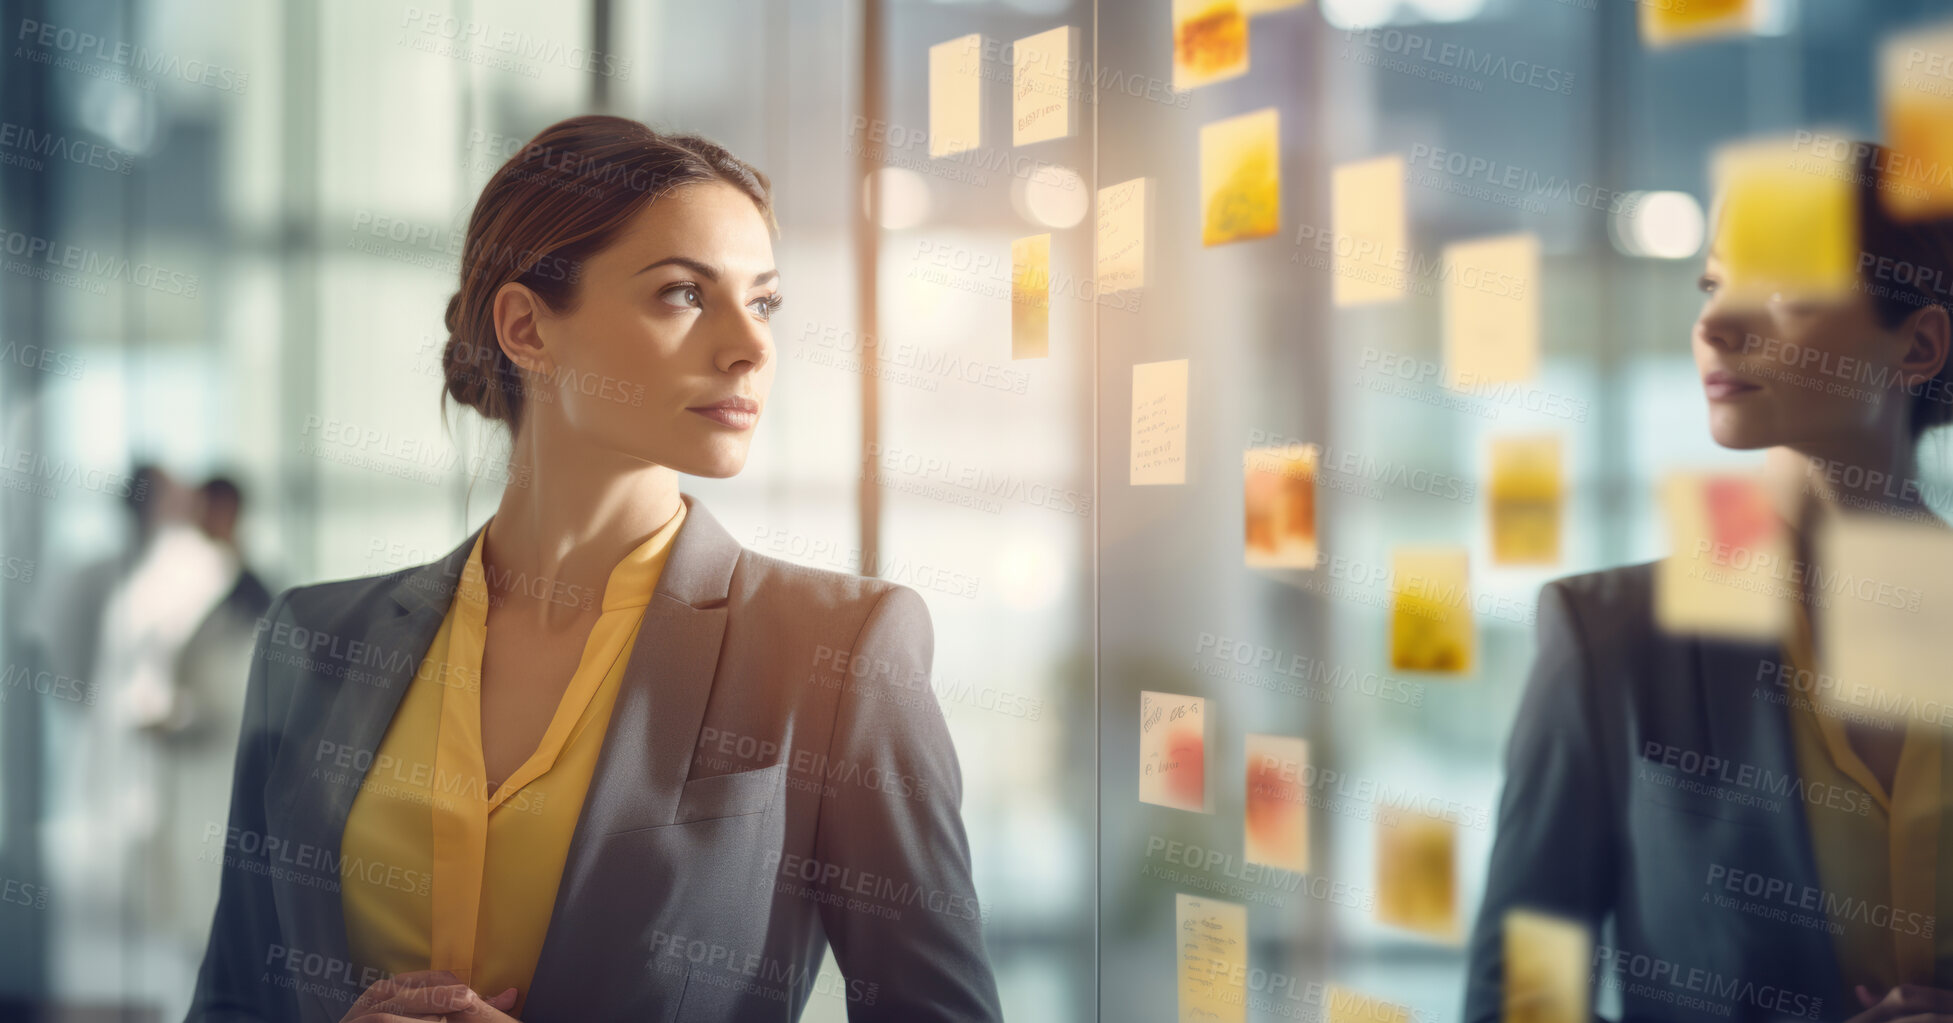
point(1880, 871)
point(437, 873)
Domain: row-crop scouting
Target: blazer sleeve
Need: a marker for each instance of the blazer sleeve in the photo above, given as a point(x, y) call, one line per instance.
point(898, 902)
point(1557, 845)
point(245, 930)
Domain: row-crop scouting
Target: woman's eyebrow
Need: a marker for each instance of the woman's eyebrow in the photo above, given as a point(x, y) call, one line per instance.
point(704, 269)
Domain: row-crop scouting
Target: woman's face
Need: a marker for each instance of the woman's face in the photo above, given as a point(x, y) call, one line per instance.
point(666, 355)
point(1807, 374)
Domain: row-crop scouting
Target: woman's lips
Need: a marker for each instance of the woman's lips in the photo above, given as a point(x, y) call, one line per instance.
point(738, 419)
point(1722, 386)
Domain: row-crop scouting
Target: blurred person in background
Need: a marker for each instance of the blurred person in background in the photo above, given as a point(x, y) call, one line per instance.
point(421, 824)
point(197, 742)
point(1597, 825)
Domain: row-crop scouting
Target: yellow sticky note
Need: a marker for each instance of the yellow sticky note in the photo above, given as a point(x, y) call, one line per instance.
point(956, 95)
point(1546, 964)
point(1241, 177)
point(1417, 873)
point(1280, 499)
point(1042, 68)
point(1367, 221)
point(1210, 42)
point(1173, 751)
point(1346, 1006)
point(1884, 599)
point(1030, 297)
point(1213, 953)
point(1916, 97)
point(1491, 310)
point(1729, 572)
point(1122, 236)
point(1668, 22)
point(1786, 220)
point(1526, 498)
point(1159, 423)
point(1276, 815)
point(1431, 624)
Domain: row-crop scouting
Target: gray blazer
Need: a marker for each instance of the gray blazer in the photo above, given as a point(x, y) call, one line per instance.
point(1644, 769)
point(777, 776)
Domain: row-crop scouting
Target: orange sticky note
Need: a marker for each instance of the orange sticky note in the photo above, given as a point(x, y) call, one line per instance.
point(1280, 498)
point(1210, 42)
point(1367, 220)
point(956, 95)
point(1030, 297)
point(1916, 98)
point(1241, 177)
point(1729, 573)
point(1885, 594)
point(1173, 751)
point(1276, 816)
point(1670, 22)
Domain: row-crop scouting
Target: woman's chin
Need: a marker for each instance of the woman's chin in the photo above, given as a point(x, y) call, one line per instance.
point(1738, 432)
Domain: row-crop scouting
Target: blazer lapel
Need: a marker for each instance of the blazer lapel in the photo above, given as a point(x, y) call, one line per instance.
point(396, 640)
point(1737, 681)
point(647, 748)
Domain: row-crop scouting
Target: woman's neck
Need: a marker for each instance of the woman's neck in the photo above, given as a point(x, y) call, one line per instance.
point(1824, 480)
point(570, 513)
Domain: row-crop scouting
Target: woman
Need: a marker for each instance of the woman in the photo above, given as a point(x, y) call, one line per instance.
point(600, 761)
point(1632, 762)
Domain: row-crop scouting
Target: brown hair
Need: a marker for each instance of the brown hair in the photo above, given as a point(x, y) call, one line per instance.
point(552, 206)
point(1905, 265)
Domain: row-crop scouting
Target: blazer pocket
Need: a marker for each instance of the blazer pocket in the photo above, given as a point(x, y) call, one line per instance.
point(730, 795)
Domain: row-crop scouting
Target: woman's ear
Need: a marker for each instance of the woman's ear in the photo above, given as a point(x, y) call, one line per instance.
point(518, 329)
point(1929, 340)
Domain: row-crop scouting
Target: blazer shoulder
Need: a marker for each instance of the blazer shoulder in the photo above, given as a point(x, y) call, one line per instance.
point(1604, 618)
point(323, 605)
point(840, 601)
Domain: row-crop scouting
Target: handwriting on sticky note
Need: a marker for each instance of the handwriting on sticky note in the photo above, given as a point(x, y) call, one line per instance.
point(1159, 422)
point(1213, 953)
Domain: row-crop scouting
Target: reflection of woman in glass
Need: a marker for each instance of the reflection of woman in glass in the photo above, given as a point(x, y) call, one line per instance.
point(600, 762)
point(1736, 853)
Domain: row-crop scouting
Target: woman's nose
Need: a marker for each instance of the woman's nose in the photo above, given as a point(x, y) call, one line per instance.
point(1720, 327)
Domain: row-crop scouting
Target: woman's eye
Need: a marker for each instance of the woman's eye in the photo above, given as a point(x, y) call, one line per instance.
point(688, 295)
point(1706, 284)
point(767, 306)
